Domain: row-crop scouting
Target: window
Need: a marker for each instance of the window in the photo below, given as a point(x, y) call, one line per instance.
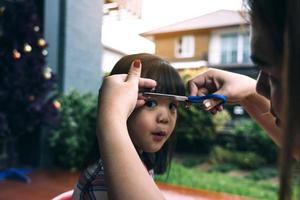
point(235, 48)
point(185, 46)
point(246, 48)
point(229, 47)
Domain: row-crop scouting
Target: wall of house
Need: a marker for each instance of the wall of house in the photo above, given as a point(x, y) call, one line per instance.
point(202, 43)
point(165, 45)
point(214, 49)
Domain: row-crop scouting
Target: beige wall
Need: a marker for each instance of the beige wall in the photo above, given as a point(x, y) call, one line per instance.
point(165, 45)
point(202, 42)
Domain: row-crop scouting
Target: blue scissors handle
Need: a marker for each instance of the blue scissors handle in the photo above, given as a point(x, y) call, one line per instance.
point(200, 99)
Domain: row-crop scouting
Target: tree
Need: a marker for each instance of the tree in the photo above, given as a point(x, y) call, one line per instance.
point(27, 85)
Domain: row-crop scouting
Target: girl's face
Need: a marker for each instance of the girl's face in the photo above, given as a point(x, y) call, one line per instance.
point(151, 125)
point(269, 82)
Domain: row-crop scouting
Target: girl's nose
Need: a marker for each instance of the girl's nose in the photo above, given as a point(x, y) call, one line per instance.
point(162, 116)
point(263, 85)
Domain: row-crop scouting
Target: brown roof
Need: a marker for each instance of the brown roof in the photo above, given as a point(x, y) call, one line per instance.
point(220, 18)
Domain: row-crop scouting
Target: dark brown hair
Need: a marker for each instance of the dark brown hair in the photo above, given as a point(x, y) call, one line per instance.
point(280, 18)
point(169, 82)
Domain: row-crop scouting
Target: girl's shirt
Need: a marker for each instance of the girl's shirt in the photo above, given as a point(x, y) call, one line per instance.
point(91, 184)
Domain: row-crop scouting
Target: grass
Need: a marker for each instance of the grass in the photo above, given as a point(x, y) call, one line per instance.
point(219, 182)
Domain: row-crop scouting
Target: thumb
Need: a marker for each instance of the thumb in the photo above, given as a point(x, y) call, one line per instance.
point(134, 72)
point(208, 104)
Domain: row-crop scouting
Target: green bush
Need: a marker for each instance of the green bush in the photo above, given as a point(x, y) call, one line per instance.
point(220, 120)
point(244, 160)
point(251, 137)
point(195, 130)
point(263, 173)
point(225, 167)
point(75, 136)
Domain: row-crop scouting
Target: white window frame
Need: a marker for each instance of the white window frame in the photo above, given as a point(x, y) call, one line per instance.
point(185, 46)
point(230, 39)
point(215, 45)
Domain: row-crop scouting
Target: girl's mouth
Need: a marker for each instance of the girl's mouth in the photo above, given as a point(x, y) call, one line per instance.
point(159, 136)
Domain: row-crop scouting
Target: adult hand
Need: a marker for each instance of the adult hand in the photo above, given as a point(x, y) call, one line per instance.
point(235, 86)
point(119, 93)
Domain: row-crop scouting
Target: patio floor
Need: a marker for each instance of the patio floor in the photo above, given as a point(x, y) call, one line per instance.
point(47, 184)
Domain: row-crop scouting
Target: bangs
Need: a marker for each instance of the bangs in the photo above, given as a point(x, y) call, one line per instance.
point(167, 78)
point(153, 67)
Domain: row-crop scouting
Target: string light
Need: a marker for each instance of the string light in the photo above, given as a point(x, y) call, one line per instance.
point(57, 105)
point(27, 48)
point(45, 52)
point(47, 72)
point(41, 42)
point(16, 55)
point(36, 28)
point(31, 98)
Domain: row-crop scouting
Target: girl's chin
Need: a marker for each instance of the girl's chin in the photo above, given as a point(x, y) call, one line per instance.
point(152, 149)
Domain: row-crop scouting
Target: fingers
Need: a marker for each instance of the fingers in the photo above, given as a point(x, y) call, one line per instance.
point(197, 85)
point(139, 103)
point(193, 89)
point(134, 72)
point(147, 83)
point(194, 85)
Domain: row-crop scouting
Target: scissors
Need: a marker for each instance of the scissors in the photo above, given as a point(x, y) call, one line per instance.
point(219, 99)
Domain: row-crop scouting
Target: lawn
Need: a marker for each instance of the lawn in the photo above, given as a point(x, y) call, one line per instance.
point(220, 182)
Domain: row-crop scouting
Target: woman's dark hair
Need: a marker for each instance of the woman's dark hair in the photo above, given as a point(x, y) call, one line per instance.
point(280, 19)
point(169, 82)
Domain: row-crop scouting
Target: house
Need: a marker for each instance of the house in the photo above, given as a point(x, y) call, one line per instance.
point(219, 39)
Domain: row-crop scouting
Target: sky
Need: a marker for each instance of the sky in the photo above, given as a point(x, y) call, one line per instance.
point(123, 35)
point(163, 12)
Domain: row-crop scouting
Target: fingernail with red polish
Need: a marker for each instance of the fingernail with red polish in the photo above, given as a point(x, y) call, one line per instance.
point(137, 63)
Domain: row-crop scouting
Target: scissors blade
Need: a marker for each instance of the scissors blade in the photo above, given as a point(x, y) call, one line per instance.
point(167, 96)
point(217, 99)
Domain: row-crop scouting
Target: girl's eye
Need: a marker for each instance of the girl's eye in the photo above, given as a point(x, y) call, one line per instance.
point(173, 106)
point(150, 103)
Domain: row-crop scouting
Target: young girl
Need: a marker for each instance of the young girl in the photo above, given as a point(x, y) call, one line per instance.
point(150, 126)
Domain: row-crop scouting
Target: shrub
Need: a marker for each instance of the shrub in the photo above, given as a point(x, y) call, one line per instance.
point(247, 136)
point(263, 173)
point(195, 130)
point(244, 160)
point(75, 136)
point(220, 120)
point(251, 137)
point(223, 168)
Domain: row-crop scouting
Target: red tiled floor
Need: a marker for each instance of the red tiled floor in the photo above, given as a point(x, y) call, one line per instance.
point(45, 185)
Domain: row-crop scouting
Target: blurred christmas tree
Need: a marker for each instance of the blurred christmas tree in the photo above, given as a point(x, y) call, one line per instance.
point(27, 84)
